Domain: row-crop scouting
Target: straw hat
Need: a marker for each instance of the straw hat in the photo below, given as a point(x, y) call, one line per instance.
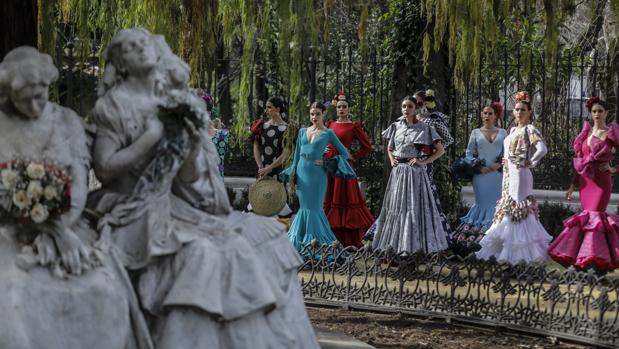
point(267, 196)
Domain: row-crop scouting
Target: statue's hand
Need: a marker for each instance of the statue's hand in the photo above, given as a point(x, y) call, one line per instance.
point(74, 254)
point(194, 138)
point(46, 249)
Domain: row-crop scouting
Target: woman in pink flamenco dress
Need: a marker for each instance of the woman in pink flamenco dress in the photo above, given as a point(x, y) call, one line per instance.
point(590, 239)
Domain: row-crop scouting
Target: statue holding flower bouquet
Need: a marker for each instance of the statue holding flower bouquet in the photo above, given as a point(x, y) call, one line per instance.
point(34, 193)
point(59, 290)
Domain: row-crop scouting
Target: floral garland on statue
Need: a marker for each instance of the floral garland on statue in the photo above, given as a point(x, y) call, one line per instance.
point(34, 192)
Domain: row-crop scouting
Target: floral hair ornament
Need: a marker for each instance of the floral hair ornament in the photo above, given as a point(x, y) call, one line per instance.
point(591, 101)
point(208, 99)
point(522, 96)
point(430, 100)
point(498, 107)
point(340, 96)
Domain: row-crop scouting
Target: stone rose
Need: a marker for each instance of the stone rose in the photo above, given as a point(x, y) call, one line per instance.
point(35, 171)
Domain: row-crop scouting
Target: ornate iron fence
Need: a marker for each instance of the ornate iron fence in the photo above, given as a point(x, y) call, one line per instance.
point(569, 304)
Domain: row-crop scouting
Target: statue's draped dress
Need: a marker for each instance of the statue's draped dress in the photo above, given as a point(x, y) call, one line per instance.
point(40, 310)
point(209, 277)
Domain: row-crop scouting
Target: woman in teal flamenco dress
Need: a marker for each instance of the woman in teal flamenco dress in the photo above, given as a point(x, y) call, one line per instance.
point(309, 170)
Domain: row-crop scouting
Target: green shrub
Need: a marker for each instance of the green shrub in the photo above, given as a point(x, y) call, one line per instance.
point(552, 215)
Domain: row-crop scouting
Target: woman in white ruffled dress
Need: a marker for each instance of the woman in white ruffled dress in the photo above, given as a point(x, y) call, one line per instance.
point(516, 234)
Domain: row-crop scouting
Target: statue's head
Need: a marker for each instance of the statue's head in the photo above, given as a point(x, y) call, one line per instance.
point(25, 76)
point(136, 51)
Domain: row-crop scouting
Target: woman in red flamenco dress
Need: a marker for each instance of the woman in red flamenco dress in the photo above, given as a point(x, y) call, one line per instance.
point(590, 239)
point(344, 204)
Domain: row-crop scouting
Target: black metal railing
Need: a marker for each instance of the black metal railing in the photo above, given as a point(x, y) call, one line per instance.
point(566, 303)
point(558, 89)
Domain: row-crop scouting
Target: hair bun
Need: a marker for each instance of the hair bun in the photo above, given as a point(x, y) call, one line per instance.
point(522, 96)
point(591, 101)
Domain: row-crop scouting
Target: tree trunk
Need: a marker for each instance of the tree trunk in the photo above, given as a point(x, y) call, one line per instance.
point(222, 82)
point(18, 26)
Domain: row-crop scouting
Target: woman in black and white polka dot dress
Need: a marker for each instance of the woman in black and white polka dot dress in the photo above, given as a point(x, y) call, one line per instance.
point(268, 138)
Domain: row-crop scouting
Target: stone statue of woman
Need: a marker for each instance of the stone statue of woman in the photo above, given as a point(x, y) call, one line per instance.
point(207, 276)
point(58, 289)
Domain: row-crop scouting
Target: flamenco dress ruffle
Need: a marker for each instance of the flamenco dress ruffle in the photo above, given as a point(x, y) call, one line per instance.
point(589, 238)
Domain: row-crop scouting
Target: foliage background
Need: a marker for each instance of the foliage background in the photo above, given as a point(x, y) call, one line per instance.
point(469, 51)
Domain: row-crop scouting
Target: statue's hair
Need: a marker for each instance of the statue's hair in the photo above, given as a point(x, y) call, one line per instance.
point(25, 65)
point(172, 72)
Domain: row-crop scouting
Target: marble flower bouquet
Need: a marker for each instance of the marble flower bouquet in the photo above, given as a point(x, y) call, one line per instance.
point(34, 193)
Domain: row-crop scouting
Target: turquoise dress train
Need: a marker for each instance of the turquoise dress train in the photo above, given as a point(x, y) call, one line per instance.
point(311, 223)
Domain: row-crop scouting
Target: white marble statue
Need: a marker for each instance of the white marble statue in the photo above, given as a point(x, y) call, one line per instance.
point(207, 276)
point(58, 289)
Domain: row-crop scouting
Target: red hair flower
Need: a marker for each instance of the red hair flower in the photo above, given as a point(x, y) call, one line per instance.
point(340, 96)
point(499, 108)
point(591, 101)
point(522, 96)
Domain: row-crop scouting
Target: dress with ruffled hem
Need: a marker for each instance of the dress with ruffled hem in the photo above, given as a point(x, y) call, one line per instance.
point(591, 238)
point(487, 189)
point(409, 220)
point(344, 204)
point(310, 223)
point(516, 235)
point(465, 239)
point(525, 241)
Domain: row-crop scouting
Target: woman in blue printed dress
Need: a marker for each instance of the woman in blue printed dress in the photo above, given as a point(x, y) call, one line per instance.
point(219, 136)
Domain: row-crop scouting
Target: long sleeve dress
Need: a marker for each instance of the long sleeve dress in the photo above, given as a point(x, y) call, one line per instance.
point(409, 220)
point(591, 237)
point(487, 188)
point(440, 122)
point(516, 234)
point(344, 204)
point(311, 223)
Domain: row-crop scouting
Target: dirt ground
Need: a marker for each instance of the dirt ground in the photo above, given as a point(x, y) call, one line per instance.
point(391, 332)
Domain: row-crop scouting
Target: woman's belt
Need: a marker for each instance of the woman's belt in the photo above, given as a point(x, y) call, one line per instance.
point(405, 160)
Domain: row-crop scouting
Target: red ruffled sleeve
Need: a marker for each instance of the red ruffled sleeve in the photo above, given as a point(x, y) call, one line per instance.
point(256, 131)
point(365, 147)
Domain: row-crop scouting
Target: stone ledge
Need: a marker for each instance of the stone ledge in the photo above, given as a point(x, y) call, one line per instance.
point(555, 196)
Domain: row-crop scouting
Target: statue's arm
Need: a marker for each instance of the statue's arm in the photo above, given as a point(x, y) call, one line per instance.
point(112, 161)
